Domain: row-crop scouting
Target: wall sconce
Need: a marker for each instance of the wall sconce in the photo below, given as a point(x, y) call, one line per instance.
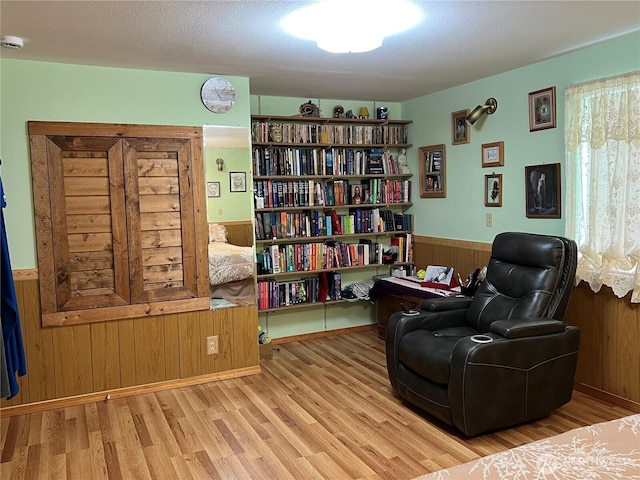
point(220, 163)
point(490, 106)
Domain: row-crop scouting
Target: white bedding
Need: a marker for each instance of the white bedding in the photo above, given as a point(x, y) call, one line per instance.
point(228, 263)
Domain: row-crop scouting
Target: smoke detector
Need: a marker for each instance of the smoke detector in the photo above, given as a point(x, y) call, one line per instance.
point(11, 42)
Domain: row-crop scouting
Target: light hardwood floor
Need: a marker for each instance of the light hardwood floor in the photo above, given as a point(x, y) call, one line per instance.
point(321, 409)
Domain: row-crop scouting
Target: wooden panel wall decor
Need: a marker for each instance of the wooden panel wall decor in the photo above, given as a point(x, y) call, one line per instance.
point(121, 230)
point(72, 364)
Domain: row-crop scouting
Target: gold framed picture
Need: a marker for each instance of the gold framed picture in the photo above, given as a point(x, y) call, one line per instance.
point(460, 131)
point(542, 109)
point(493, 154)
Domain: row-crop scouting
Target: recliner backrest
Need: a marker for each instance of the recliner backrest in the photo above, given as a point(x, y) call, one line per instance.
point(528, 275)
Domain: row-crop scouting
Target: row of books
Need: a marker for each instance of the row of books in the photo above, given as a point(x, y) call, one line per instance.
point(306, 257)
point(273, 294)
point(328, 134)
point(308, 193)
point(315, 223)
point(268, 161)
point(433, 161)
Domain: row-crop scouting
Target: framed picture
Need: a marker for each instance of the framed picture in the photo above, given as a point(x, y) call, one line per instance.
point(493, 154)
point(542, 109)
point(237, 181)
point(432, 166)
point(493, 190)
point(460, 132)
point(542, 184)
point(213, 189)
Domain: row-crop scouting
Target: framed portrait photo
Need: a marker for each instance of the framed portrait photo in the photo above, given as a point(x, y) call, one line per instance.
point(213, 189)
point(542, 109)
point(493, 190)
point(493, 154)
point(237, 181)
point(543, 190)
point(460, 131)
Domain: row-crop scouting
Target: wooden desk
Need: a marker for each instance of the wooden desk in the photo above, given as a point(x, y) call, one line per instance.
point(389, 303)
point(390, 294)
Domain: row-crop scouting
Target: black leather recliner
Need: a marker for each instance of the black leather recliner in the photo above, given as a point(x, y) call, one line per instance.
point(502, 357)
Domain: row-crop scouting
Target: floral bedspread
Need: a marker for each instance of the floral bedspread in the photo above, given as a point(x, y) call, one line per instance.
point(608, 450)
point(228, 262)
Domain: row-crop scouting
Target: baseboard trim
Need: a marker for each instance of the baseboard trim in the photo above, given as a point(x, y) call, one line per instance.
point(607, 397)
point(107, 395)
point(326, 333)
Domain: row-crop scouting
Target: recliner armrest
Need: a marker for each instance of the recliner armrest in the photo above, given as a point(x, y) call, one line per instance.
point(445, 303)
point(527, 327)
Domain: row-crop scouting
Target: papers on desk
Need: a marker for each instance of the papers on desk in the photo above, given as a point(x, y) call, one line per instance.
point(414, 284)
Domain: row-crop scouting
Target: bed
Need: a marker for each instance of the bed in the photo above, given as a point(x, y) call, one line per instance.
point(608, 450)
point(231, 267)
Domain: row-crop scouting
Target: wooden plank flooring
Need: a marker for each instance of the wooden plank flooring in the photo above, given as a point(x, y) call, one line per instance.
point(321, 409)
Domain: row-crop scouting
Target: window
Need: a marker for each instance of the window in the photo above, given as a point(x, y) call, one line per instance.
point(120, 220)
point(602, 143)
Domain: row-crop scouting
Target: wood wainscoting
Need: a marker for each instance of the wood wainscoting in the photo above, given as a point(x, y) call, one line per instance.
point(609, 358)
point(76, 360)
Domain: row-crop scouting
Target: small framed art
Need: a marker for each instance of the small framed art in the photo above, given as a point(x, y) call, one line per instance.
point(213, 189)
point(542, 109)
point(432, 166)
point(460, 132)
point(493, 190)
point(493, 154)
point(543, 190)
point(237, 181)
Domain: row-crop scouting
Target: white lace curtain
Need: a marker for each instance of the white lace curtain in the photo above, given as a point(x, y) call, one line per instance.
point(602, 154)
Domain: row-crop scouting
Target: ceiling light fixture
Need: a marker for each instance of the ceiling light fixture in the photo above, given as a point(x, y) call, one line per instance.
point(11, 42)
point(490, 106)
point(352, 26)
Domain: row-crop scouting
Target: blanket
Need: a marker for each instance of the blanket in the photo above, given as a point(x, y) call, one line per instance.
point(608, 450)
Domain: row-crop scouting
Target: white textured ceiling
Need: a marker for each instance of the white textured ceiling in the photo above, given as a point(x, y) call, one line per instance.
point(458, 41)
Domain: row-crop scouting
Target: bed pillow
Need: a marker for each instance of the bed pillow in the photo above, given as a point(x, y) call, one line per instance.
point(217, 233)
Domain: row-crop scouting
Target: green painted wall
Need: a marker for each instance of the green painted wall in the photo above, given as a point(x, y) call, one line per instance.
point(462, 214)
point(57, 92)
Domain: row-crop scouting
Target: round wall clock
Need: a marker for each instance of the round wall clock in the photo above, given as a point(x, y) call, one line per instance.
point(218, 94)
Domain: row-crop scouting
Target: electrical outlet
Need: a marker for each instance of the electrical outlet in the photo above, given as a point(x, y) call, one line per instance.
point(212, 345)
point(489, 219)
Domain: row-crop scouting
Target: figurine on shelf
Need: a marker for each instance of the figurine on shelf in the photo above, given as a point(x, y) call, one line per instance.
point(402, 162)
point(364, 113)
point(275, 132)
point(309, 109)
point(338, 111)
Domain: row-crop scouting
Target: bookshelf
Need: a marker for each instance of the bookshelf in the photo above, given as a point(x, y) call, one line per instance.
point(432, 165)
point(330, 198)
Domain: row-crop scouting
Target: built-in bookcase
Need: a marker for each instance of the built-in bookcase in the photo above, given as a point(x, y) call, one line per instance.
point(330, 197)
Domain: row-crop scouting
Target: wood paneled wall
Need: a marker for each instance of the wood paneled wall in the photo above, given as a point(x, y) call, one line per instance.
point(609, 358)
point(239, 233)
point(81, 359)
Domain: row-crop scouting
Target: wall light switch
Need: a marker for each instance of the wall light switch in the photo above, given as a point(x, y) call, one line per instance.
point(489, 219)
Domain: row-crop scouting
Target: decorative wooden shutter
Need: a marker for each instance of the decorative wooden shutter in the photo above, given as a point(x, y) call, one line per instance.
point(120, 220)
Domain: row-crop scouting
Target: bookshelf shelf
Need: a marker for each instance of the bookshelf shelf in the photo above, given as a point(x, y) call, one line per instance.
point(328, 193)
point(331, 207)
point(329, 238)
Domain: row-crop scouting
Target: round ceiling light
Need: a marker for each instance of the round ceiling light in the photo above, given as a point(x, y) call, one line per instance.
point(352, 26)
